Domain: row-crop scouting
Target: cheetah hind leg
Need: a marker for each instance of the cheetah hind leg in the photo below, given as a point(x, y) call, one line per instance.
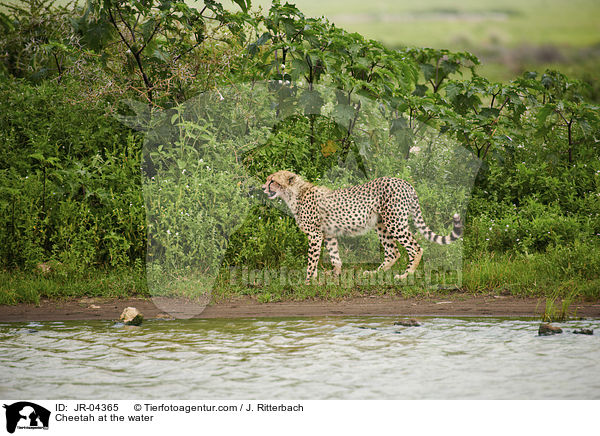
point(390, 250)
point(415, 252)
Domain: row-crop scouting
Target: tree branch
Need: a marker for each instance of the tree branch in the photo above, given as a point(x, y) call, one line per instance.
point(149, 39)
point(126, 23)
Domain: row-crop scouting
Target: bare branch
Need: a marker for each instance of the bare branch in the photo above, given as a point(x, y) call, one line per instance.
point(126, 23)
point(116, 26)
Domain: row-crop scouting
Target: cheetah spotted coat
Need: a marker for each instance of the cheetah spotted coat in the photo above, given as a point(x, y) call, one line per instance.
point(385, 203)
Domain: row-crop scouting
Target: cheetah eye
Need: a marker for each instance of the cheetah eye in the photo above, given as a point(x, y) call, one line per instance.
point(291, 180)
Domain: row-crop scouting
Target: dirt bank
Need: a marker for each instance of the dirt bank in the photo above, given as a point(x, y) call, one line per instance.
point(455, 305)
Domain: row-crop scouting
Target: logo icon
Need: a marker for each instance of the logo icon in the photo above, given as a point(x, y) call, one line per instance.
point(26, 415)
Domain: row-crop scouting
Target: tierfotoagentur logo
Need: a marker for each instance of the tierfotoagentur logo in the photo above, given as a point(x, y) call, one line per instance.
point(24, 415)
point(204, 163)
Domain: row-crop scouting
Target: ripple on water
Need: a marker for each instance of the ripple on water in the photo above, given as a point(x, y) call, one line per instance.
point(346, 358)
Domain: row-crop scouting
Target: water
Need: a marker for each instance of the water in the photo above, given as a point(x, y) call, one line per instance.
point(311, 358)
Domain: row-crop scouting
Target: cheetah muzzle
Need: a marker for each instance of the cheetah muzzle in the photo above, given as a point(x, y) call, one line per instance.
point(270, 194)
point(385, 204)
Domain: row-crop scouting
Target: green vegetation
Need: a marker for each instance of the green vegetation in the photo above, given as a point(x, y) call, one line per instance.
point(437, 23)
point(72, 200)
point(19, 286)
point(510, 38)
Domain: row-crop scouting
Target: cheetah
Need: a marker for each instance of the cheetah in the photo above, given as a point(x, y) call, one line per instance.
point(384, 203)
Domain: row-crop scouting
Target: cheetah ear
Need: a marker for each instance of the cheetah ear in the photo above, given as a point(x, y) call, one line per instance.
point(291, 179)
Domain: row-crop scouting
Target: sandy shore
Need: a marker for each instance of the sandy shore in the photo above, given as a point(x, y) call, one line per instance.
point(454, 305)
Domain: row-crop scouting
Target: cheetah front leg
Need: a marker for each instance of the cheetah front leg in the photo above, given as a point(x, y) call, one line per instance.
point(332, 247)
point(315, 241)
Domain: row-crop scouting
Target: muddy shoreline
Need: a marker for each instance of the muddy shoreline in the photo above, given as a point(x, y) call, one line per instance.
point(455, 305)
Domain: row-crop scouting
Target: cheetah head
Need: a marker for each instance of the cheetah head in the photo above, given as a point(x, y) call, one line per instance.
point(282, 184)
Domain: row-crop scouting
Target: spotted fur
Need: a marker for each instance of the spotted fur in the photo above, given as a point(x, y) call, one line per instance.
point(384, 204)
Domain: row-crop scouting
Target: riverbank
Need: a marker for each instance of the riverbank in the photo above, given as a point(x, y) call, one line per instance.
point(247, 307)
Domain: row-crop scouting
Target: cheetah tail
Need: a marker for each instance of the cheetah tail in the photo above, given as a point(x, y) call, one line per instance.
point(457, 231)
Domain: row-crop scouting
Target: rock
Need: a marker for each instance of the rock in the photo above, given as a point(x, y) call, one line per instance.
point(46, 268)
point(408, 323)
point(584, 332)
point(131, 316)
point(43, 267)
point(547, 330)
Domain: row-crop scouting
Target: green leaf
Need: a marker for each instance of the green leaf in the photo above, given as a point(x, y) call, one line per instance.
point(311, 101)
point(148, 29)
point(489, 113)
point(530, 74)
point(420, 90)
point(543, 114)
point(38, 156)
point(448, 67)
point(299, 66)
point(428, 71)
point(398, 125)
point(547, 81)
point(586, 128)
point(253, 47)
point(243, 4)
point(453, 89)
point(343, 114)
point(160, 55)
point(6, 23)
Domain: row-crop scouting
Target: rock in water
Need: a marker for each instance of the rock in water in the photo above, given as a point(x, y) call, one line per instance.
point(131, 316)
point(408, 323)
point(584, 332)
point(547, 330)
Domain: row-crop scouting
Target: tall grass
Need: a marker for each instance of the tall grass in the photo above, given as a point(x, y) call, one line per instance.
point(31, 287)
point(559, 272)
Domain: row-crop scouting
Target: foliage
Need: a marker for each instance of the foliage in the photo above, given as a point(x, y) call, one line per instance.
point(70, 188)
point(156, 36)
point(69, 183)
point(559, 272)
point(61, 282)
point(195, 193)
point(156, 50)
point(37, 39)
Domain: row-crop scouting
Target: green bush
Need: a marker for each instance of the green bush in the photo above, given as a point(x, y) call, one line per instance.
point(348, 110)
point(70, 183)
